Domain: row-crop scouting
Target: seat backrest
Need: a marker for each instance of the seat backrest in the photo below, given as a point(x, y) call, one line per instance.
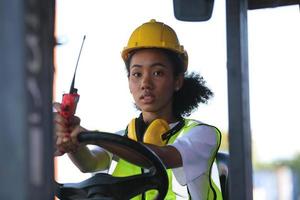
point(222, 160)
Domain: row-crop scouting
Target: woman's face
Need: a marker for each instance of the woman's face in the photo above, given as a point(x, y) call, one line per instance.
point(152, 82)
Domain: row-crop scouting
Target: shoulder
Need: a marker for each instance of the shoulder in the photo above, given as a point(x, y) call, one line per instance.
point(201, 131)
point(196, 125)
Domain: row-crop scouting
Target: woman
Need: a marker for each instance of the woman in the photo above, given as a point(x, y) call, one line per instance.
point(156, 64)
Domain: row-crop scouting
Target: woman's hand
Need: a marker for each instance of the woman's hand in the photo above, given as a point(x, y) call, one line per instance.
point(65, 132)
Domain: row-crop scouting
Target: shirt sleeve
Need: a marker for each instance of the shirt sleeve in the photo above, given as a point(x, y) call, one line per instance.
point(196, 148)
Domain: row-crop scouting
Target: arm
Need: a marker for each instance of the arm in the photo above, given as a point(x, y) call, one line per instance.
point(66, 142)
point(90, 160)
point(164, 153)
point(137, 159)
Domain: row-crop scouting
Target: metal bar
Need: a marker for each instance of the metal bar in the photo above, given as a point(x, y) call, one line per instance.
point(13, 162)
point(26, 50)
point(259, 4)
point(240, 168)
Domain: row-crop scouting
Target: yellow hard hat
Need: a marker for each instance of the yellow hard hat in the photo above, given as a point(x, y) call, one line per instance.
point(155, 34)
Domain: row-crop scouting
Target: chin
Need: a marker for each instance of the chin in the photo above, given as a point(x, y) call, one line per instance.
point(148, 108)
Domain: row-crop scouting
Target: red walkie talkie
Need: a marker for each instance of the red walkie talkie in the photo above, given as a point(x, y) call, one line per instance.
point(70, 100)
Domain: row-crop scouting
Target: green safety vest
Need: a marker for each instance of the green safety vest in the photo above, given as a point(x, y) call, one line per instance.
point(125, 168)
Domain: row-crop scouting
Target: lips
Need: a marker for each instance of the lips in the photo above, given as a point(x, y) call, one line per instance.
point(147, 98)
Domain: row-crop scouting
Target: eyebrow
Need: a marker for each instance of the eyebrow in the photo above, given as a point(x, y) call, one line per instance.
point(152, 65)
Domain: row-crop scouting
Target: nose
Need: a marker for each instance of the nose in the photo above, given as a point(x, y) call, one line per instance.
point(147, 82)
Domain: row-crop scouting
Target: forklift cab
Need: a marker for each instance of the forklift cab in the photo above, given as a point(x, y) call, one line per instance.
point(27, 60)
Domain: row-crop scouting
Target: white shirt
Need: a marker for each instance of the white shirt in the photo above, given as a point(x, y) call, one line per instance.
point(196, 148)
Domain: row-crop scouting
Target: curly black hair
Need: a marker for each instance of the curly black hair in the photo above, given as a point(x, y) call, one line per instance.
point(193, 91)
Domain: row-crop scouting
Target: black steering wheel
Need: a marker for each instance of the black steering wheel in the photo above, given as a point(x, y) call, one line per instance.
point(103, 186)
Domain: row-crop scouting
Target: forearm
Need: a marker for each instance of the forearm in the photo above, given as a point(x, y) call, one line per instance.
point(169, 155)
point(90, 160)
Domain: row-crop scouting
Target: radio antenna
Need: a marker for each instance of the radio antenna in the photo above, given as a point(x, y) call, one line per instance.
point(73, 89)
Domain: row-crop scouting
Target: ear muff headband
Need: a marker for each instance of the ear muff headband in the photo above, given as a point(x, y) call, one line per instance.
point(166, 136)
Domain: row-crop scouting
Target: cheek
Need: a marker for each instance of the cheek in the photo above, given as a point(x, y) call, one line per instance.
point(168, 85)
point(132, 87)
point(130, 84)
point(166, 90)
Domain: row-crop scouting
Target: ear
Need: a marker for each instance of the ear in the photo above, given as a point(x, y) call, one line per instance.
point(178, 82)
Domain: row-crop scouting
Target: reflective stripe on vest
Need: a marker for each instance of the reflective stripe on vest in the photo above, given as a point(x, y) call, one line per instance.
point(125, 168)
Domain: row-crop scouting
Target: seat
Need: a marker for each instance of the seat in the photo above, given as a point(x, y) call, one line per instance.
point(222, 160)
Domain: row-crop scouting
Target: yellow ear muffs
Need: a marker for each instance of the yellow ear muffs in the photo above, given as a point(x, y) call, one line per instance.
point(131, 130)
point(154, 132)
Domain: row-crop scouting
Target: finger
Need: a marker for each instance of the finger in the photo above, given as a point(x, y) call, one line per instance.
point(60, 147)
point(60, 124)
point(56, 106)
point(56, 151)
point(63, 144)
point(63, 141)
point(58, 128)
point(66, 139)
point(57, 118)
point(74, 134)
point(60, 135)
point(59, 141)
point(74, 121)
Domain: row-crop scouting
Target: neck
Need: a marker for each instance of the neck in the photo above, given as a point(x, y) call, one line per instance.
point(149, 117)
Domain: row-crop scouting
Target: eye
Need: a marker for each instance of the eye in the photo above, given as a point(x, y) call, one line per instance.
point(158, 73)
point(136, 74)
